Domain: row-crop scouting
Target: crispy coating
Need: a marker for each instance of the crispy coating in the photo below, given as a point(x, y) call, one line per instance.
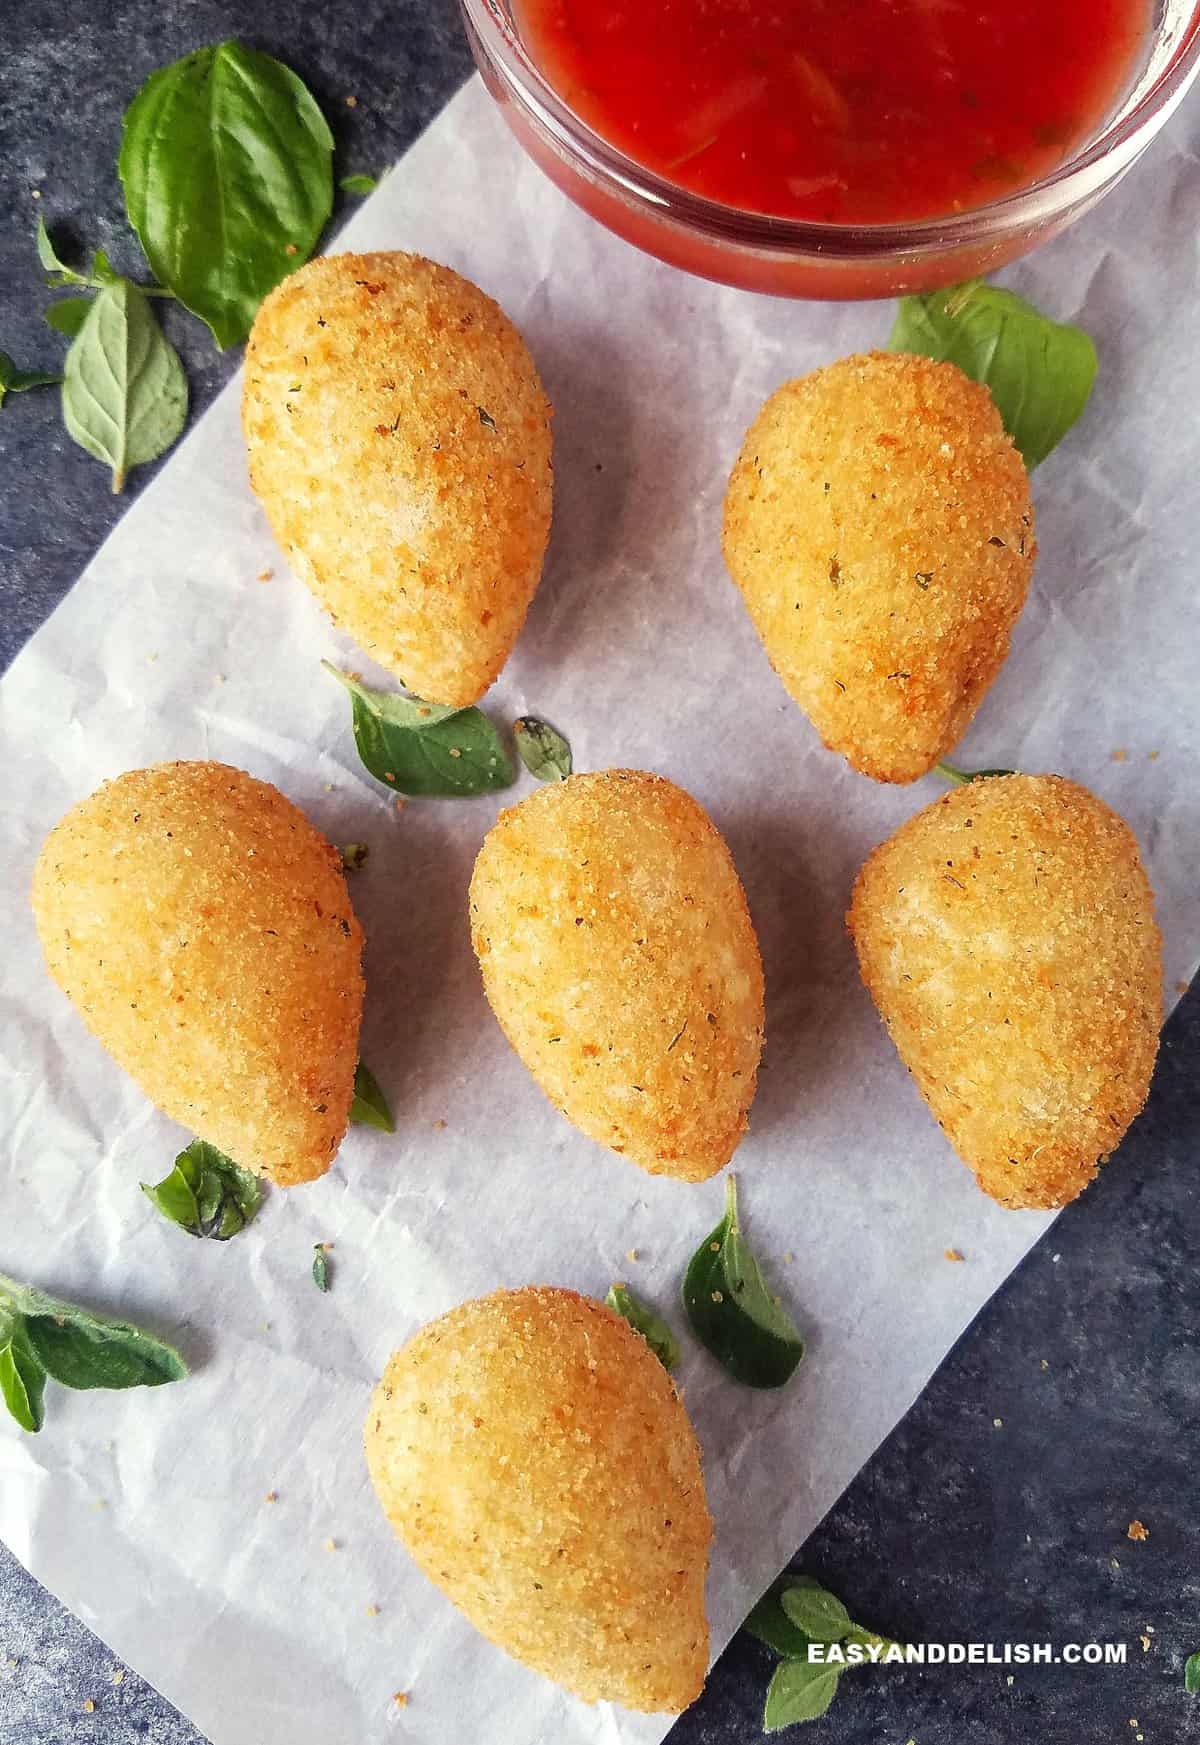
point(202, 927)
point(399, 439)
point(879, 525)
point(1007, 936)
point(619, 956)
point(533, 1455)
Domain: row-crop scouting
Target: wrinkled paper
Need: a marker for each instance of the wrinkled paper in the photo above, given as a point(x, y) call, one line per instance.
point(147, 1512)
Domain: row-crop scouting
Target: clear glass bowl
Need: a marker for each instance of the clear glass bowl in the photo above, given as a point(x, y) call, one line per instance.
point(792, 257)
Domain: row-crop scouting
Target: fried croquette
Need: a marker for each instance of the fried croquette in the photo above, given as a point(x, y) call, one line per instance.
point(879, 525)
point(399, 439)
point(202, 928)
point(619, 956)
point(534, 1456)
point(1007, 936)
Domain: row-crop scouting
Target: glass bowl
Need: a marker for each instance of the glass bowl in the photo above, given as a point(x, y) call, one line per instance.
point(789, 257)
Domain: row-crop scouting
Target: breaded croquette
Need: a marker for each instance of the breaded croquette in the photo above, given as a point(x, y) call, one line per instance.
point(399, 439)
point(533, 1455)
point(202, 928)
point(619, 956)
point(1007, 936)
point(879, 525)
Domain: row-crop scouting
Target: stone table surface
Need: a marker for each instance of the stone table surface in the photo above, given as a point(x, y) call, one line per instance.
point(997, 1510)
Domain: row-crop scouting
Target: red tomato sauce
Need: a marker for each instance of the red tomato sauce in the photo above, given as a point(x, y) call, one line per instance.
point(841, 111)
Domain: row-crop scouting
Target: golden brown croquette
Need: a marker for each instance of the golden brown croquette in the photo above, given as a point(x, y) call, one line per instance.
point(1007, 936)
point(202, 928)
point(619, 956)
point(879, 525)
point(399, 439)
point(534, 1456)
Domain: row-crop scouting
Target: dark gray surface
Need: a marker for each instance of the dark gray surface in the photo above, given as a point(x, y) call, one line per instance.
point(957, 1530)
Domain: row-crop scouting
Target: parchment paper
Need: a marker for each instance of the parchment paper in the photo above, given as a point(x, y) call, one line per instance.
point(146, 1512)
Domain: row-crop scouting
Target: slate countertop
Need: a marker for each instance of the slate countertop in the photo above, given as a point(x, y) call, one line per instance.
point(998, 1509)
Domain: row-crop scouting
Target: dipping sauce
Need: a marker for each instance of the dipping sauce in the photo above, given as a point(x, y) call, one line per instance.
point(841, 111)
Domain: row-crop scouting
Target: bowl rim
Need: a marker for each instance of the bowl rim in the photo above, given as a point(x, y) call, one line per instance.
point(491, 28)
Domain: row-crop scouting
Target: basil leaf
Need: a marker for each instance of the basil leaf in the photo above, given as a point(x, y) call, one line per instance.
point(370, 1106)
point(731, 1310)
point(354, 856)
point(87, 1351)
point(960, 777)
point(769, 1623)
point(425, 748)
point(814, 1610)
point(543, 751)
point(60, 273)
point(653, 1329)
point(22, 1378)
point(799, 1692)
point(206, 1193)
point(15, 381)
point(1040, 372)
point(359, 184)
point(1191, 1674)
point(320, 1267)
point(124, 395)
point(226, 161)
point(68, 315)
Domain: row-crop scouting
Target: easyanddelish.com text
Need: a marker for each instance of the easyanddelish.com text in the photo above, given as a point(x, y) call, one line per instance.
point(967, 1654)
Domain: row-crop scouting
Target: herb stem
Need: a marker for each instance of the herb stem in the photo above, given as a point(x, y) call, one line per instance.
point(948, 773)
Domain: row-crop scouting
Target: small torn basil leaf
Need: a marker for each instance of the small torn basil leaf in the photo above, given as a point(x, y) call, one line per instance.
point(22, 1376)
point(86, 1350)
point(542, 749)
point(653, 1329)
point(358, 184)
point(320, 1267)
point(1191, 1674)
point(769, 1623)
point(816, 1612)
point(354, 856)
point(15, 381)
point(421, 748)
point(67, 315)
point(227, 166)
point(206, 1193)
point(960, 777)
point(370, 1106)
point(124, 394)
point(1040, 372)
point(732, 1312)
point(799, 1691)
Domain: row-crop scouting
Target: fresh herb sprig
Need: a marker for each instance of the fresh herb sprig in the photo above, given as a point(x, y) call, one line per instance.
point(370, 1106)
point(542, 749)
point(206, 1193)
point(421, 748)
point(1040, 372)
point(959, 778)
point(41, 1336)
point(124, 393)
point(732, 1312)
point(653, 1329)
point(795, 1613)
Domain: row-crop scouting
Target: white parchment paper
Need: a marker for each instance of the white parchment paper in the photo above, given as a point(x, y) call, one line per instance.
point(146, 1512)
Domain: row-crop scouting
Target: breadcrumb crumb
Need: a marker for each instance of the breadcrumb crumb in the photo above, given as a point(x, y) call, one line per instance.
point(1137, 1531)
point(955, 1254)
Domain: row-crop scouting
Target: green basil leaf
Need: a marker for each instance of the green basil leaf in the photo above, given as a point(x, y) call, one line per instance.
point(1191, 1674)
point(425, 748)
point(68, 315)
point(370, 1106)
point(769, 1623)
point(85, 1350)
point(543, 750)
point(206, 1193)
point(15, 381)
point(22, 1377)
point(320, 1267)
point(226, 161)
point(960, 777)
point(813, 1609)
point(354, 856)
point(60, 273)
point(731, 1310)
point(799, 1692)
point(359, 184)
point(102, 272)
point(653, 1329)
point(1040, 372)
point(124, 395)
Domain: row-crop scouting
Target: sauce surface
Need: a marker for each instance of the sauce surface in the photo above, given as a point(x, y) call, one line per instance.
point(841, 111)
